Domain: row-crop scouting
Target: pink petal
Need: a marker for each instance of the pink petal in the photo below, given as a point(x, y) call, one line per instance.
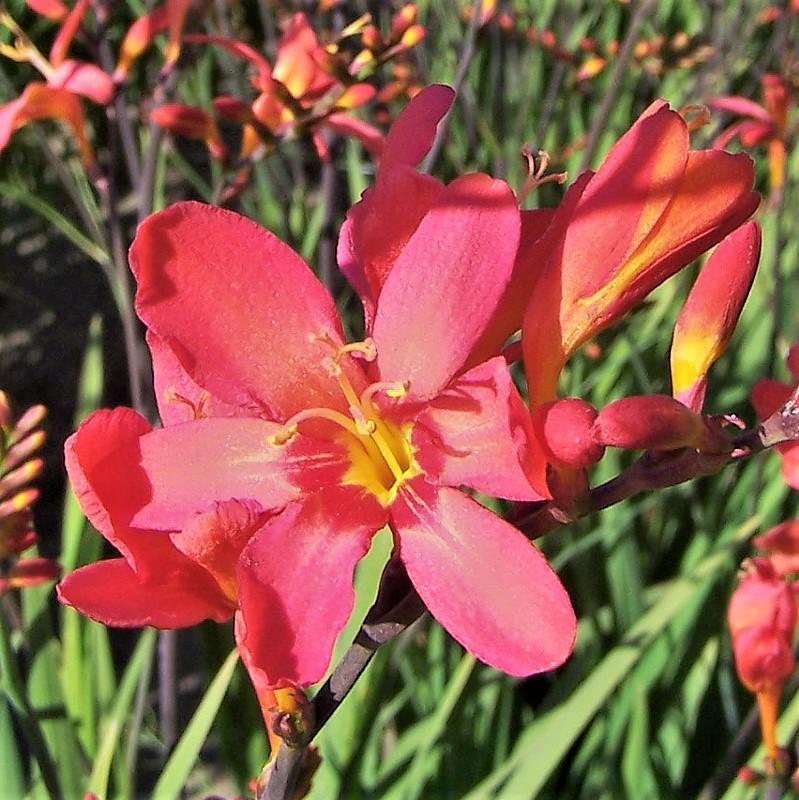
point(508, 316)
point(379, 226)
point(347, 125)
point(295, 583)
point(191, 466)
point(446, 283)
point(242, 312)
point(111, 593)
point(414, 129)
point(214, 540)
point(178, 397)
point(740, 105)
point(87, 80)
point(477, 433)
point(483, 581)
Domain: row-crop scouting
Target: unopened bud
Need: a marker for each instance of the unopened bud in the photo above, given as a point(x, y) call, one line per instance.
point(649, 422)
point(22, 450)
point(402, 20)
point(28, 422)
point(18, 502)
point(16, 479)
point(565, 428)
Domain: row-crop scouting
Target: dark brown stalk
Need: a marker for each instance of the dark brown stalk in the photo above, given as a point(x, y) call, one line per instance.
point(117, 113)
point(640, 13)
point(465, 59)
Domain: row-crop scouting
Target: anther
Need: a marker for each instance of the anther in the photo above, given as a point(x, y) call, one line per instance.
point(283, 436)
point(367, 350)
point(536, 173)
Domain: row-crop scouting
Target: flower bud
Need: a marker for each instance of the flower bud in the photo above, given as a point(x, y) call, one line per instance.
point(650, 422)
point(566, 430)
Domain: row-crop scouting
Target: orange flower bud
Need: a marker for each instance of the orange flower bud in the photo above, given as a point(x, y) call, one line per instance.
point(781, 544)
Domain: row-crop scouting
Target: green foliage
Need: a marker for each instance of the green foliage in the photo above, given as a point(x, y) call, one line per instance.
point(649, 705)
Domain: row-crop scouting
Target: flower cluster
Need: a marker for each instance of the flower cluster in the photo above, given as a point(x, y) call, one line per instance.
point(20, 439)
point(284, 448)
point(68, 81)
point(310, 87)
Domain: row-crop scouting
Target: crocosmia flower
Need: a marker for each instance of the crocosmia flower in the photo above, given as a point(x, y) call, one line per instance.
point(762, 619)
point(652, 207)
point(286, 448)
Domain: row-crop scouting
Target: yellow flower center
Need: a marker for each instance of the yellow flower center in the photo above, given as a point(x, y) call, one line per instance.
point(380, 451)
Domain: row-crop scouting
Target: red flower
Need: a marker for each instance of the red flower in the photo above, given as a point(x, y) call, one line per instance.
point(764, 123)
point(767, 397)
point(651, 208)
point(300, 90)
point(762, 618)
point(299, 447)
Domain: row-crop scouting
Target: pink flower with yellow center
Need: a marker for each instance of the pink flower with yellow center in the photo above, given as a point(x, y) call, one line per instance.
point(287, 448)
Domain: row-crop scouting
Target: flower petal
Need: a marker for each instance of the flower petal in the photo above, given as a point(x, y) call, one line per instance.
point(414, 129)
point(446, 283)
point(478, 432)
point(87, 80)
point(483, 581)
point(508, 316)
point(184, 480)
point(241, 310)
point(295, 583)
point(102, 464)
point(740, 105)
point(178, 397)
point(379, 226)
point(112, 593)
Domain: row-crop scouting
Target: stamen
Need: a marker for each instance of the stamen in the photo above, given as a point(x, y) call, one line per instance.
point(367, 349)
point(289, 428)
point(696, 116)
point(364, 426)
point(390, 389)
point(388, 455)
point(536, 173)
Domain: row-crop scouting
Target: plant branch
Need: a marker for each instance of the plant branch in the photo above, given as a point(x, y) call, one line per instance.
point(658, 470)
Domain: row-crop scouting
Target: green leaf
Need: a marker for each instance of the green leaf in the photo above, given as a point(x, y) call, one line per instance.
point(113, 724)
point(176, 772)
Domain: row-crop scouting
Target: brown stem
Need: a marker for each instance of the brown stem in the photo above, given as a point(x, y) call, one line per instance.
point(658, 470)
point(614, 85)
point(467, 53)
